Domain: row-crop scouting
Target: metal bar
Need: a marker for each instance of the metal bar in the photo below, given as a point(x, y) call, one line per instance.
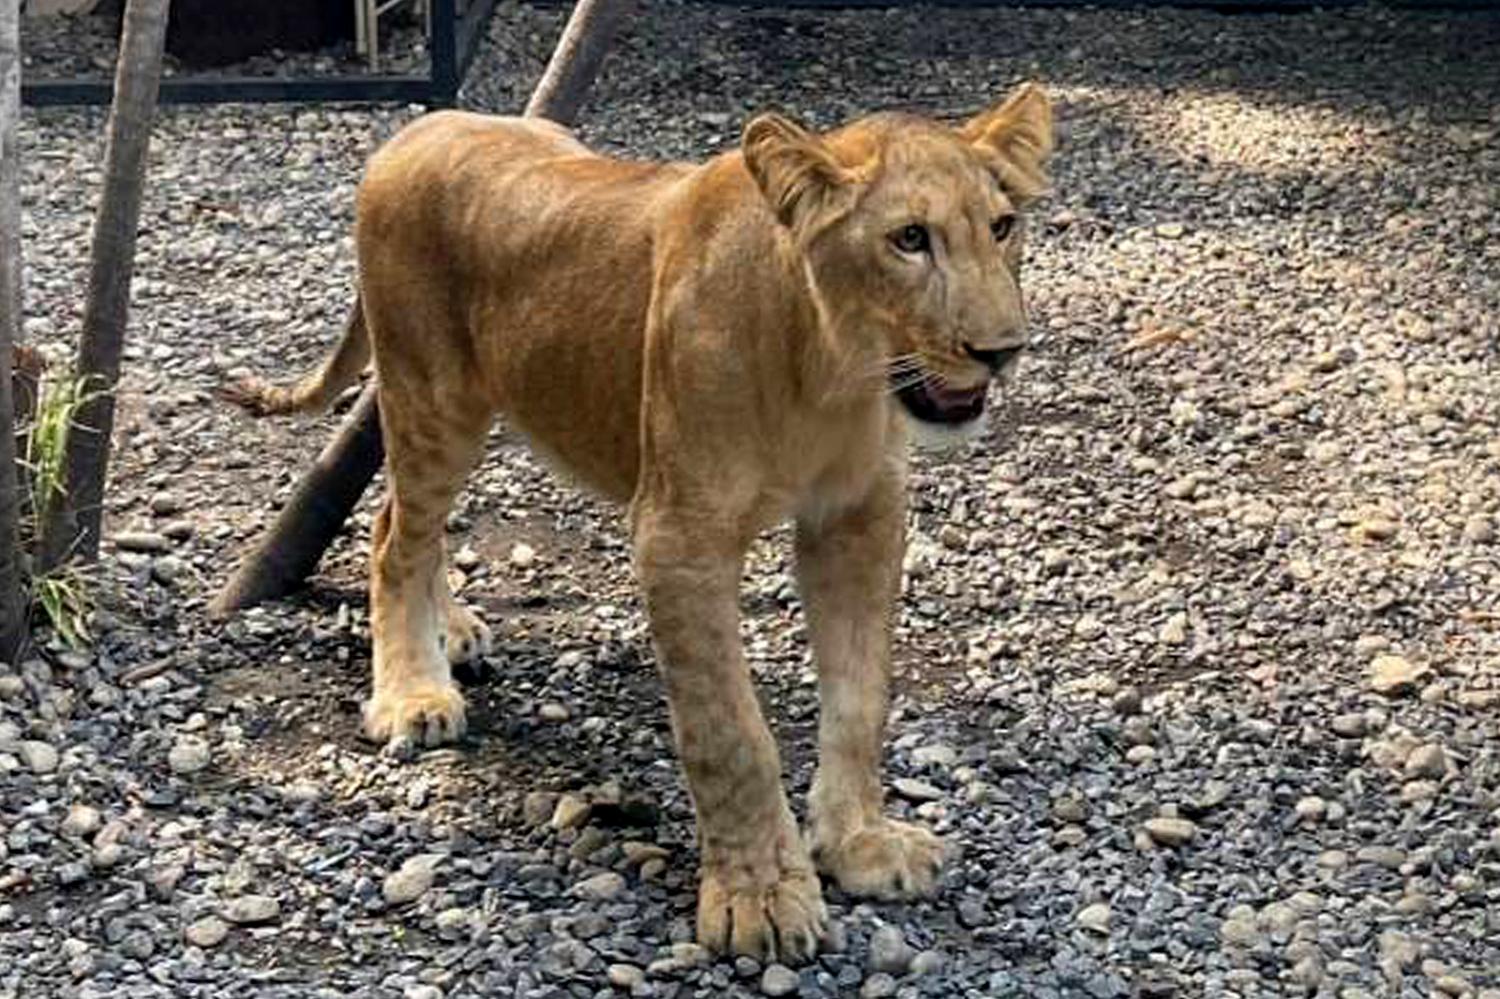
point(471, 32)
point(446, 72)
point(248, 90)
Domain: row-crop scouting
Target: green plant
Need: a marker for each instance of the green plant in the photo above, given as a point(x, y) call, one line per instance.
point(63, 593)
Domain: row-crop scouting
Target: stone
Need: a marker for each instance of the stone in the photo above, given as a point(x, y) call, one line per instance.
point(1238, 932)
point(537, 807)
point(935, 756)
point(889, 951)
point(1311, 809)
point(188, 755)
point(411, 880)
point(570, 813)
point(207, 932)
point(250, 910)
point(928, 962)
point(1172, 832)
point(142, 542)
point(915, 790)
point(625, 976)
point(1392, 675)
point(878, 986)
point(39, 757)
point(1429, 760)
point(1350, 725)
point(1174, 631)
point(1094, 918)
point(522, 555)
point(1127, 702)
point(778, 980)
point(554, 712)
point(600, 887)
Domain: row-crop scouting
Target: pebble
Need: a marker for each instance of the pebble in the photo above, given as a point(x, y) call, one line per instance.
point(778, 980)
point(1429, 760)
point(878, 986)
point(411, 880)
point(188, 755)
point(39, 757)
point(1094, 918)
point(916, 790)
point(600, 887)
point(570, 813)
point(1394, 675)
point(1171, 831)
point(81, 820)
point(625, 976)
point(249, 910)
point(207, 932)
point(889, 951)
point(142, 542)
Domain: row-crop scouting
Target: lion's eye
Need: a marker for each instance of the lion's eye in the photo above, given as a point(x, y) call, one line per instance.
point(912, 239)
point(1002, 226)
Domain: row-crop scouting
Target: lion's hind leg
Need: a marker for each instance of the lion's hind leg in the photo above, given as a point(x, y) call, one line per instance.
point(429, 454)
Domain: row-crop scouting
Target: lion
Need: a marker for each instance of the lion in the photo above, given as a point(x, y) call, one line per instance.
point(718, 347)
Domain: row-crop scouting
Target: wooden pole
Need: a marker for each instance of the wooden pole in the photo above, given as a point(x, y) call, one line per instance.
point(13, 618)
point(288, 553)
point(74, 531)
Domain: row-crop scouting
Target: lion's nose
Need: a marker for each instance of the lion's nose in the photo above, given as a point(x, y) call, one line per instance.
point(993, 358)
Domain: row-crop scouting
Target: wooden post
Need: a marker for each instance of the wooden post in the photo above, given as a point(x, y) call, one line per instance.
point(327, 494)
point(74, 531)
point(13, 618)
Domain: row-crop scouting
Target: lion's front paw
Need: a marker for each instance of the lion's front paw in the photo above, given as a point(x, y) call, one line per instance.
point(425, 714)
point(886, 859)
point(780, 917)
point(465, 638)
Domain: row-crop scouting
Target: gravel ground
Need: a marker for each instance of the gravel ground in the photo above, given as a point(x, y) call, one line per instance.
point(1199, 664)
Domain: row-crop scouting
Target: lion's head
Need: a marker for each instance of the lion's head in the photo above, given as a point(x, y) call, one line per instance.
point(911, 235)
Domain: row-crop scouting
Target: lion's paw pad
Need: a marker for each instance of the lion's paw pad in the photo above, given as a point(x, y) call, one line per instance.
point(888, 860)
point(780, 921)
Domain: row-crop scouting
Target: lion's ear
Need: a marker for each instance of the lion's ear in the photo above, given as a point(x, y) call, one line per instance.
point(1016, 134)
point(795, 170)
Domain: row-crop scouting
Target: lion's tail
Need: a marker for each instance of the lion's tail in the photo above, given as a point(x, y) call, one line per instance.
point(316, 390)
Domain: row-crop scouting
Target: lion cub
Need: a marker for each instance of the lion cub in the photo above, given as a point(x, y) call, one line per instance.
point(721, 347)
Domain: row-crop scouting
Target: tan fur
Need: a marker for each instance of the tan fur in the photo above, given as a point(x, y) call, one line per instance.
point(710, 345)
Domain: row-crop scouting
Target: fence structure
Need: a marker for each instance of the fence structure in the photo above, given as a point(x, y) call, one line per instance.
point(454, 39)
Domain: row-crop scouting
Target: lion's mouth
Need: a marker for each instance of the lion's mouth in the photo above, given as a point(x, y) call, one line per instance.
point(937, 403)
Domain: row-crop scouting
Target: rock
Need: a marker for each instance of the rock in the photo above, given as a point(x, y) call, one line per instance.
point(927, 962)
point(600, 887)
point(1374, 530)
point(1175, 630)
point(537, 807)
point(778, 980)
point(81, 821)
point(1094, 918)
point(878, 986)
point(935, 756)
point(1394, 675)
point(1349, 726)
point(421, 991)
point(889, 951)
point(39, 757)
point(570, 813)
point(411, 880)
point(1429, 760)
point(188, 755)
point(164, 504)
point(625, 976)
point(1072, 808)
point(168, 570)
point(1088, 628)
point(915, 790)
point(522, 555)
point(250, 910)
point(1171, 230)
point(1239, 932)
point(466, 559)
point(1479, 530)
point(207, 932)
point(554, 712)
point(1170, 831)
point(1127, 702)
point(142, 542)
point(1311, 809)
